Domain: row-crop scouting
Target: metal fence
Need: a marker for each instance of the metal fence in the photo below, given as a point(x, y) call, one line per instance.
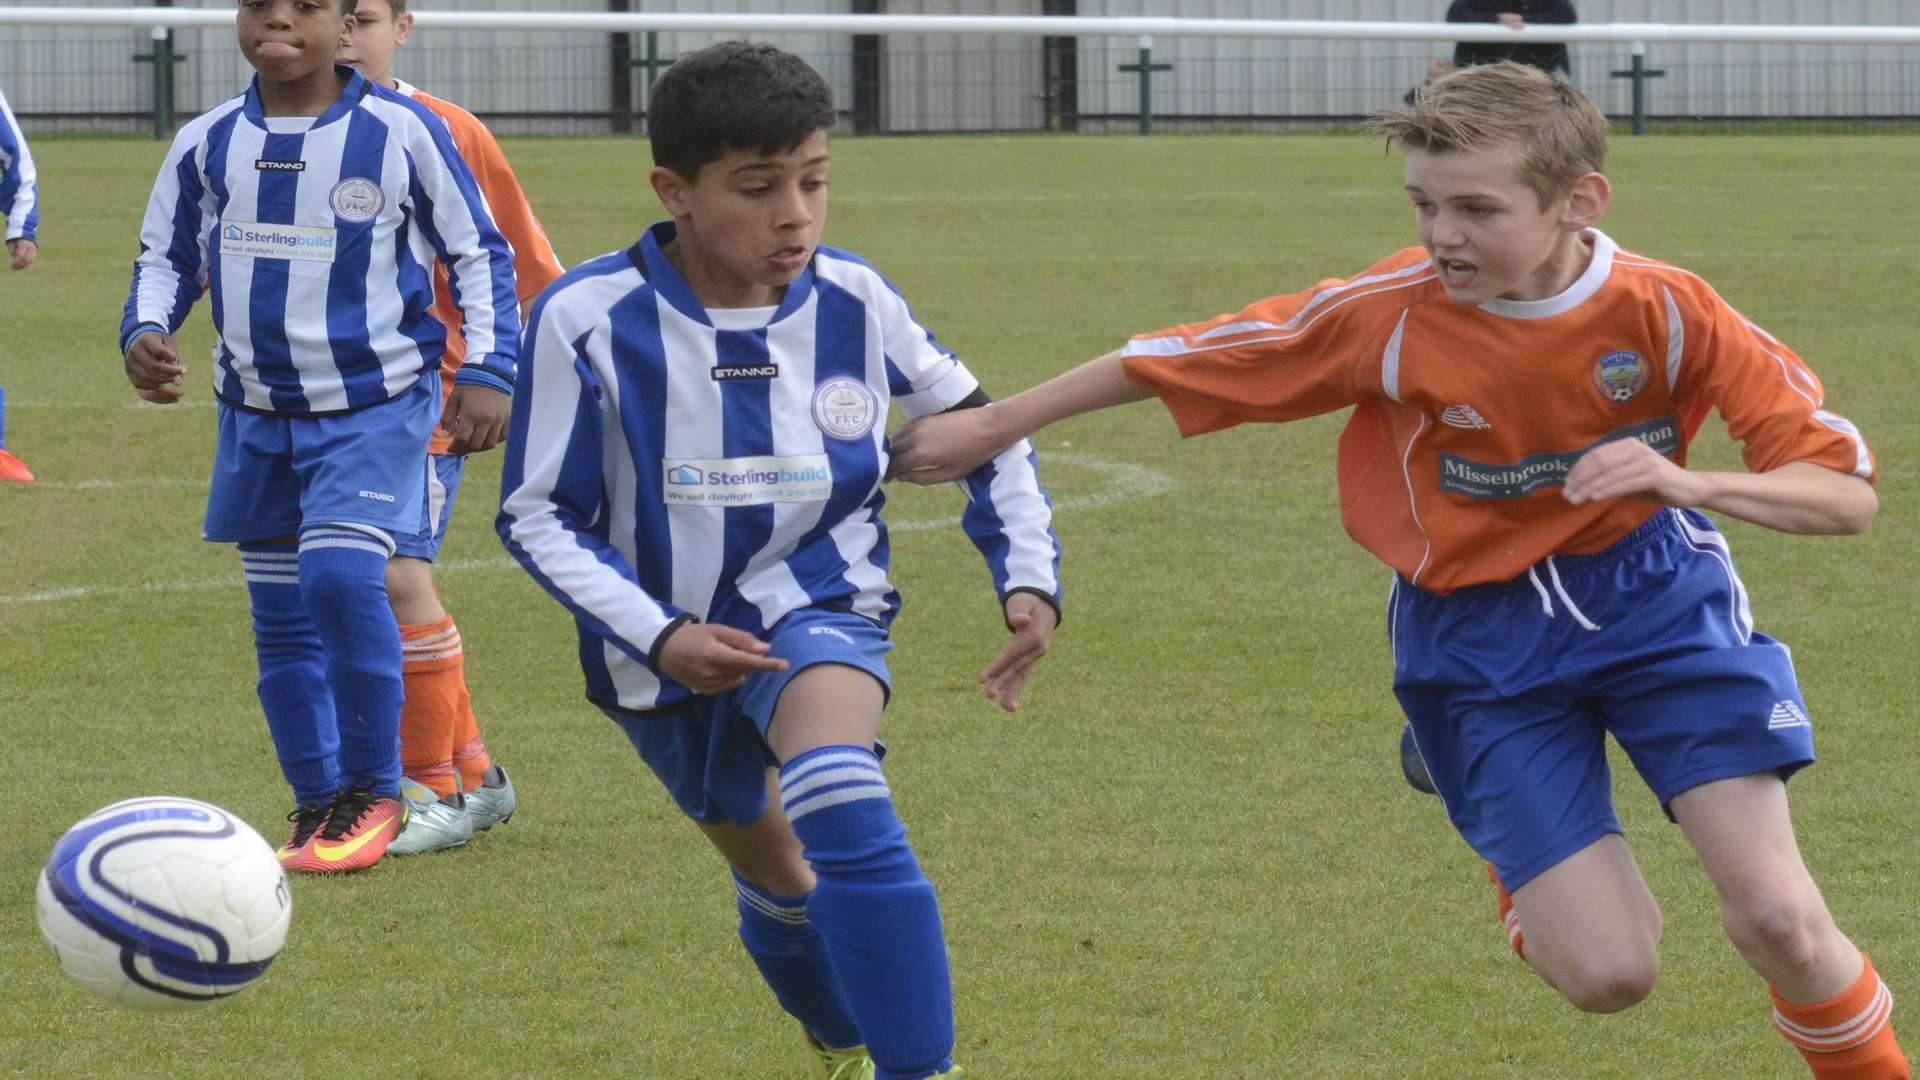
point(67, 78)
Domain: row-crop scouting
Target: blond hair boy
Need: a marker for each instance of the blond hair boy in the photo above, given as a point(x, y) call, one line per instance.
point(1523, 393)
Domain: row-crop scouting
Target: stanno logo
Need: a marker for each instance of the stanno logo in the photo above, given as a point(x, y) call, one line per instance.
point(270, 165)
point(1464, 416)
point(745, 371)
point(377, 496)
point(1787, 715)
point(831, 631)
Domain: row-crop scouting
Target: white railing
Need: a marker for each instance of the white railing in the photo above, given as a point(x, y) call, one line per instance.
point(1022, 26)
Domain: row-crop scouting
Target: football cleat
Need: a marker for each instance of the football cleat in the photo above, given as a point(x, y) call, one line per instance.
point(493, 802)
point(951, 1074)
point(826, 1063)
point(358, 828)
point(306, 821)
point(1412, 765)
point(434, 822)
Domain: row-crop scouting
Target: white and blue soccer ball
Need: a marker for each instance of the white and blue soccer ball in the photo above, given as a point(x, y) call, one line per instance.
point(163, 904)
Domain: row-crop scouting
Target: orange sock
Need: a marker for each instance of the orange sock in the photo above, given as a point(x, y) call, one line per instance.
point(469, 753)
point(1849, 1037)
point(1504, 905)
point(435, 684)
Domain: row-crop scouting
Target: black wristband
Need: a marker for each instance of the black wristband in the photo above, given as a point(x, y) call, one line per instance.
point(1053, 603)
point(659, 643)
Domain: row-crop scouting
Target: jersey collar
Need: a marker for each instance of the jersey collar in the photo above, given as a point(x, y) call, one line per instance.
point(1576, 294)
point(350, 95)
point(659, 272)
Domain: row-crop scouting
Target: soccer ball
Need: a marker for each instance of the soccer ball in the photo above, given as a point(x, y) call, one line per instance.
point(163, 904)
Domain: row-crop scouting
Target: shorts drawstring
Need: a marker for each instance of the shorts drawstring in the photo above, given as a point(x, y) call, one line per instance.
point(1546, 601)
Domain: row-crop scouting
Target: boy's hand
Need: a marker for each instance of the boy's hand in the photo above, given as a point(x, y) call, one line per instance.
point(155, 369)
point(936, 449)
point(1513, 20)
point(710, 658)
point(1627, 467)
point(476, 417)
point(1033, 622)
point(22, 251)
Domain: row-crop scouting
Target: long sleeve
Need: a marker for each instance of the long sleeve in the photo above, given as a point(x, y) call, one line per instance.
point(170, 272)
point(553, 516)
point(1008, 516)
point(19, 185)
point(479, 260)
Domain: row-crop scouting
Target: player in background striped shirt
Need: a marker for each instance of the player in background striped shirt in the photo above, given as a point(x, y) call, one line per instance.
point(453, 788)
point(19, 191)
point(694, 471)
point(311, 210)
point(1523, 392)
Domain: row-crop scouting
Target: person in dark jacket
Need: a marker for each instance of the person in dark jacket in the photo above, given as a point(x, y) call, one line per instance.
point(1550, 57)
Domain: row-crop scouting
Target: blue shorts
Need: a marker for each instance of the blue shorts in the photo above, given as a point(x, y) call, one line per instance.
point(1512, 689)
point(443, 486)
point(712, 753)
point(272, 473)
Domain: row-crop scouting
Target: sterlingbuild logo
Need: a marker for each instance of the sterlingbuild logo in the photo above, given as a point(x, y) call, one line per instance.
point(253, 239)
point(1478, 480)
point(746, 481)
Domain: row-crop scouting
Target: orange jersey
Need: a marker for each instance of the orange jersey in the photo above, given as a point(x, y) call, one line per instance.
point(534, 264)
point(1466, 419)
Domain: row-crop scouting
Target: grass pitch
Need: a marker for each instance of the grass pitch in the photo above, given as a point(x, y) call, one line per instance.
point(1190, 854)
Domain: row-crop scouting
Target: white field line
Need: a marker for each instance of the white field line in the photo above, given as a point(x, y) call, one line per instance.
point(1125, 483)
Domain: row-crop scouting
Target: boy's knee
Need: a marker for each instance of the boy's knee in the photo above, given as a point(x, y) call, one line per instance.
point(781, 871)
point(1774, 929)
point(1607, 985)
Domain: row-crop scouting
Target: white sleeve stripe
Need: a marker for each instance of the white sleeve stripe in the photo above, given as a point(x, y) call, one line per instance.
point(1862, 460)
point(1390, 359)
point(1320, 297)
point(1676, 340)
point(1174, 345)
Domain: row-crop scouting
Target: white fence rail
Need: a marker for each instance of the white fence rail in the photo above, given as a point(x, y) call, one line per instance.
point(1019, 26)
point(553, 70)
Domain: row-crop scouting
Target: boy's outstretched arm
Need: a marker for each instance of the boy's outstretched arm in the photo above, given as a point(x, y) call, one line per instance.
point(1798, 497)
point(946, 447)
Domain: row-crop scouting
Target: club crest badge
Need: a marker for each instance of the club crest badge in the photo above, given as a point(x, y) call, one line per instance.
point(845, 409)
point(1620, 376)
point(357, 199)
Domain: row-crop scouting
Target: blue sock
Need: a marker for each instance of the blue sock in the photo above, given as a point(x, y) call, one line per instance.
point(793, 960)
point(293, 678)
point(343, 579)
point(874, 908)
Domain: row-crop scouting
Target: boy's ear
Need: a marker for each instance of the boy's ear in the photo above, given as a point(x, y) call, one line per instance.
point(673, 189)
point(1586, 201)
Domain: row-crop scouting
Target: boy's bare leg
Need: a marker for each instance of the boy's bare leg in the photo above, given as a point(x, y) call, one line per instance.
point(1772, 910)
point(1592, 928)
point(1827, 999)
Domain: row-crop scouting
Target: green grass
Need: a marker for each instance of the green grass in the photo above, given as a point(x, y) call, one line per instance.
point(1190, 854)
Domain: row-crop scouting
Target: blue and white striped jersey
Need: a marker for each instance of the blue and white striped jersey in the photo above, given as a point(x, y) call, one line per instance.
point(315, 240)
point(667, 461)
point(19, 193)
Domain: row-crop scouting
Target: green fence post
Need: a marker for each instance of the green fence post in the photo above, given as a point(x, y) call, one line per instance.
point(162, 58)
point(1639, 73)
point(653, 62)
point(1146, 67)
